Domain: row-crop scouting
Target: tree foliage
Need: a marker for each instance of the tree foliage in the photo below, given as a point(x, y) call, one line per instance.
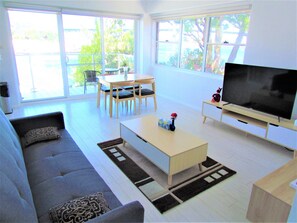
point(194, 32)
point(118, 47)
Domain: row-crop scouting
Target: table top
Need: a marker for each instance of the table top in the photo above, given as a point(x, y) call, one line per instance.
point(111, 69)
point(170, 142)
point(277, 183)
point(121, 77)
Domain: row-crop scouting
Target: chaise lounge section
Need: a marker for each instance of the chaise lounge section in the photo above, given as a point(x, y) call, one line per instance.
point(37, 178)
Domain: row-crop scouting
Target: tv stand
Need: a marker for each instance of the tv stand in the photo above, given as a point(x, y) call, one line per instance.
point(271, 128)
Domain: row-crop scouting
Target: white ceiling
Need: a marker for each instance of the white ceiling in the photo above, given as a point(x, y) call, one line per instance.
point(133, 6)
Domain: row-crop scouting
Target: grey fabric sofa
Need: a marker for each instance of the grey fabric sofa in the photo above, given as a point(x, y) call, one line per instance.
point(38, 177)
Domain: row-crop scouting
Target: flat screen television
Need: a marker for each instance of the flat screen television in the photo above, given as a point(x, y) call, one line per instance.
point(266, 89)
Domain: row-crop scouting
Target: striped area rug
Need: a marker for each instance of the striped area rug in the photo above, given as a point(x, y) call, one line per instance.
point(152, 182)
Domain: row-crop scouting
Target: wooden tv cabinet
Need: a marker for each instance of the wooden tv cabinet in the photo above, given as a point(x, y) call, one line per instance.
point(282, 132)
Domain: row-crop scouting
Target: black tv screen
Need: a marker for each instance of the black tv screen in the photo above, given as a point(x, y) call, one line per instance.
point(265, 89)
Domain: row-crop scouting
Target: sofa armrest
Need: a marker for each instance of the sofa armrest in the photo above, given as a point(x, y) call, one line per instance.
point(131, 212)
point(23, 125)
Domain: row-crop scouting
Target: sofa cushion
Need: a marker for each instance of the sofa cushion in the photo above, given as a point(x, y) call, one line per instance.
point(80, 210)
point(16, 198)
point(58, 172)
point(40, 134)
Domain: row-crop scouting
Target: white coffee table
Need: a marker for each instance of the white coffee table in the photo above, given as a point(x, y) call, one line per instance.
point(172, 152)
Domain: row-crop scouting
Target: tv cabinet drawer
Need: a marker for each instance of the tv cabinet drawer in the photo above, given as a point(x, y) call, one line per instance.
point(283, 136)
point(212, 111)
point(145, 148)
point(244, 125)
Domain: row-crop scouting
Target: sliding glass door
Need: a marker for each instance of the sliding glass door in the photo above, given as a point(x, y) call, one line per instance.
point(119, 43)
point(37, 53)
point(82, 35)
point(52, 51)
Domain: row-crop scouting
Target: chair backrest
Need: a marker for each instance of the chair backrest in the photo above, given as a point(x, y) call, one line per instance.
point(119, 86)
point(124, 83)
point(91, 75)
point(147, 81)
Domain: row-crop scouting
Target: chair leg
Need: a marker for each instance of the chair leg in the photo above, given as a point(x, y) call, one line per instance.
point(139, 105)
point(117, 104)
point(155, 102)
point(98, 98)
point(85, 87)
point(105, 97)
point(134, 100)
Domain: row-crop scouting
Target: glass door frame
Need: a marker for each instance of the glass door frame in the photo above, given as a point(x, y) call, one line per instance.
point(63, 57)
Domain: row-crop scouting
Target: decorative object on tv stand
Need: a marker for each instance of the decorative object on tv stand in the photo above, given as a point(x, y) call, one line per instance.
point(168, 124)
point(216, 97)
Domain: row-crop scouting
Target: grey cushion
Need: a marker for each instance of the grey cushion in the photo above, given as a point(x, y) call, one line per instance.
point(123, 94)
point(16, 202)
point(58, 172)
point(80, 210)
point(106, 89)
point(145, 92)
point(40, 134)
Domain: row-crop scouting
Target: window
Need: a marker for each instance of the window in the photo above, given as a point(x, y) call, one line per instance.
point(194, 33)
point(202, 44)
point(168, 39)
point(227, 40)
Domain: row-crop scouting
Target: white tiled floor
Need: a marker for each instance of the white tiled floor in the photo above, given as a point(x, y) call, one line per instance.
point(250, 156)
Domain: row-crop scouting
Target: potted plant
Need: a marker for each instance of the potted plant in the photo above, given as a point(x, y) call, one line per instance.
point(125, 66)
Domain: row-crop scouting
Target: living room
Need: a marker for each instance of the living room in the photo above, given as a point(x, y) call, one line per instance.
point(254, 159)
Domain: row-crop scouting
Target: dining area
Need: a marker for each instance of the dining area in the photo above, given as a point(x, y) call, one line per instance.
point(127, 90)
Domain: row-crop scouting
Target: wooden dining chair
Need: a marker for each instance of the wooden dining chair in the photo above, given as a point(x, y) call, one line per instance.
point(145, 93)
point(121, 95)
point(105, 90)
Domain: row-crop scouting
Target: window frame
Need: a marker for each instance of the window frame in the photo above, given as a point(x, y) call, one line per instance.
point(206, 41)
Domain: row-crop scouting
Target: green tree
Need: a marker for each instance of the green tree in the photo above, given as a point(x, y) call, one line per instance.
point(118, 43)
point(90, 56)
point(118, 46)
point(215, 63)
point(194, 31)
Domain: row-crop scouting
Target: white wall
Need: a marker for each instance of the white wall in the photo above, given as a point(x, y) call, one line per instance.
point(271, 42)
point(272, 39)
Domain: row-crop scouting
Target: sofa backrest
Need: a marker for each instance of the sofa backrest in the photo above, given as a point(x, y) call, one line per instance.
point(16, 202)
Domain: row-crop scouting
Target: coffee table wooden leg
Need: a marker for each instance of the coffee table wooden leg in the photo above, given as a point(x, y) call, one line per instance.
point(204, 119)
point(200, 166)
point(169, 180)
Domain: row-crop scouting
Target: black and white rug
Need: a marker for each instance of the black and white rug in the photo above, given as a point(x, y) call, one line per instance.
point(153, 182)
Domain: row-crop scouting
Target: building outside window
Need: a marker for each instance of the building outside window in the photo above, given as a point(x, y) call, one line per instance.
point(202, 44)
